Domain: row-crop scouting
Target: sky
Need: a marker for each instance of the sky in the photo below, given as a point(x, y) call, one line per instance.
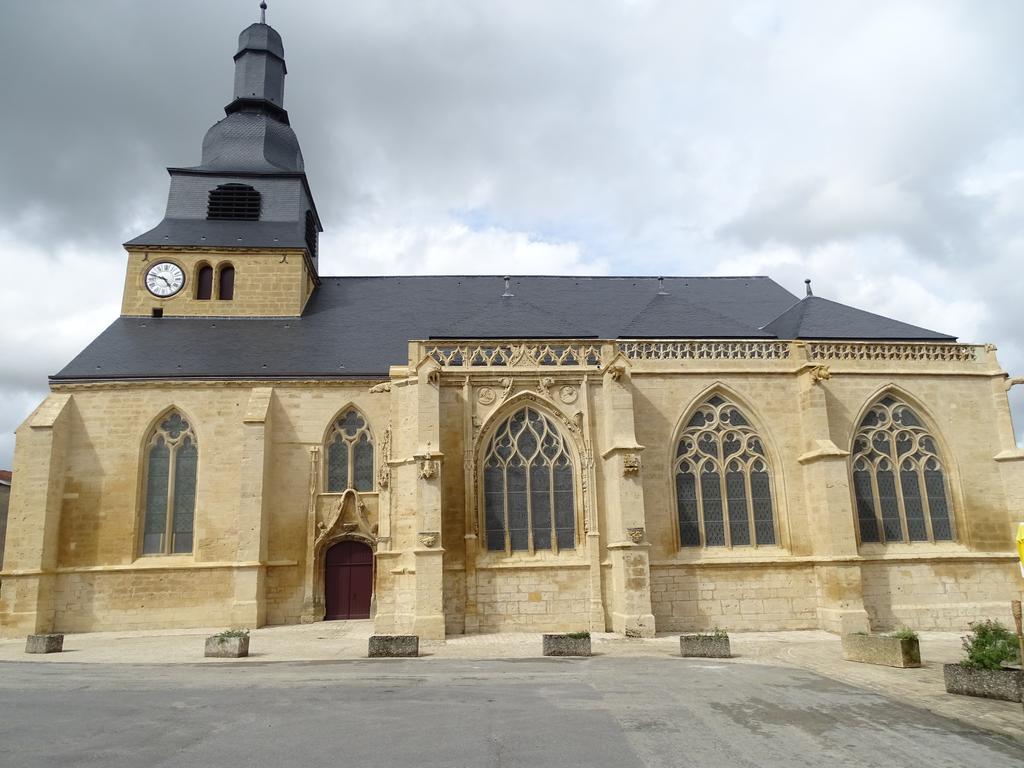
point(876, 147)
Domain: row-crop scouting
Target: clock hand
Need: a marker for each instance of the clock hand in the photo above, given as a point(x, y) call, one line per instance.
point(165, 280)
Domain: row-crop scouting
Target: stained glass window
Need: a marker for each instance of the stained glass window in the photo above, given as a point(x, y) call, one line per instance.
point(529, 486)
point(723, 482)
point(899, 484)
point(349, 461)
point(172, 459)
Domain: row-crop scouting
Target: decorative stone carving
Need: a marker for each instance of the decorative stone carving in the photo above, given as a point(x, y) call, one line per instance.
point(636, 535)
point(434, 377)
point(428, 469)
point(544, 386)
point(486, 396)
point(502, 355)
point(429, 539)
point(617, 372)
point(384, 386)
point(705, 350)
point(820, 373)
point(384, 472)
point(507, 383)
point(630, 464)
point(567, 394)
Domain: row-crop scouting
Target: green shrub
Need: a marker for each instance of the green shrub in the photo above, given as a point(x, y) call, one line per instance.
point(904, 633)
point(577, 635)
point(232, 633)
point(988, 644)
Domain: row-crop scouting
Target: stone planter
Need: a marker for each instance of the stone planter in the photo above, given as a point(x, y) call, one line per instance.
point(1003, 684)
point(48, 643)
point(227, 647)
point(881, 649)
point(393, 646)
point(704, 646)
point(564, 645)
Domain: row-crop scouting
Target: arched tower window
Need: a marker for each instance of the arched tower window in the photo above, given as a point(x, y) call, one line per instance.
point(238, 202)
point(204, 282)
point(172, 457)
point(225, 282)
point(723, 481)
point(529, 488)
point(898, 480)
point(349, 454)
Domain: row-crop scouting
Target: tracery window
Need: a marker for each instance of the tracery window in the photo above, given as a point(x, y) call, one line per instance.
point(172, 457)
point(723, 481)
point(349, 454)
point(898, 480)
point(529, 487)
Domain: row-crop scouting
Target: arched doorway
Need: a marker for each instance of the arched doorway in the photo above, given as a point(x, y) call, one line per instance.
point(348, 581)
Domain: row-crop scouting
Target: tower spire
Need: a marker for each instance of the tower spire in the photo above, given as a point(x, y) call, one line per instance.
point(263, 12)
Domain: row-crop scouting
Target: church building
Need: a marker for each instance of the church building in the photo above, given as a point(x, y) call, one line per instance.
point(254, 442)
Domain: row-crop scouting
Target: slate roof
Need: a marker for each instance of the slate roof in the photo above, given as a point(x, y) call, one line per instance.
point(219, 233)
point(359, 326)
point(816, 318)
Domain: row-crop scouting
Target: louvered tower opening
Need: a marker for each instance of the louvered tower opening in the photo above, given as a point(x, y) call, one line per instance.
point(238, 202)
point(311, 233)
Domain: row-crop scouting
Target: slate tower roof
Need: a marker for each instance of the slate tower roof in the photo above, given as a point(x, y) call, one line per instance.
point(253, 145)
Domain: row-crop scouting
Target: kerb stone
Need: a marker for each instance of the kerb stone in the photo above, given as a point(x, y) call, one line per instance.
point(48, 643)
point(393, 646)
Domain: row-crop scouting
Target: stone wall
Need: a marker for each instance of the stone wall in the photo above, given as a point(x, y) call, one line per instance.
point(533, 599)
point(940, 594)
point(734, 598)
point(263, 520)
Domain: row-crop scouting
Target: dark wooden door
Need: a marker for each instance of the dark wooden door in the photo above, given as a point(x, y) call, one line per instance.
point(348, 581)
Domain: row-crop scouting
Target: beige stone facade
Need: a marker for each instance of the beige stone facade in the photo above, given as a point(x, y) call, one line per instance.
point(263, 520)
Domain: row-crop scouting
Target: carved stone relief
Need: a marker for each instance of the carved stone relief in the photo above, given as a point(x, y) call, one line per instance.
point(630, 464)
point(636, 535)
point(567, 394)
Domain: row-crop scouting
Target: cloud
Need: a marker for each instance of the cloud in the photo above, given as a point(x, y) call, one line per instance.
point(876, 147)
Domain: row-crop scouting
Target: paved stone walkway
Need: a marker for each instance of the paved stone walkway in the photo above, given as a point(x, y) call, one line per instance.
point(346, 640)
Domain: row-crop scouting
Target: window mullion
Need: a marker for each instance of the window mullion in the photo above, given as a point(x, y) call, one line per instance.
point(897, 472)
point(504, 502)
point(529, 510)
point(723, 491)
point(169, 521)
point(748, 487)
point(551, 506)
point(698, 471)
point(926, 509)
point(876, 496)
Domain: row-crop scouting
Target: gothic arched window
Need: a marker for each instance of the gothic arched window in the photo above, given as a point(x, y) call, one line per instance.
point(225, 282)
point(529, 489)
point(172, 457)
point(723, 483)
point(898, 481)
point(349, 454)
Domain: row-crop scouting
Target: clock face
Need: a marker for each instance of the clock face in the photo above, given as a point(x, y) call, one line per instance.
point(164, 279)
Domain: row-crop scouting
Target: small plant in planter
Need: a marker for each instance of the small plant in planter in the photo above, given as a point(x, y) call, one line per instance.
point(229, 644)
point(986, 647)
point(567, 644)
point(897, 649)
point(705, 645)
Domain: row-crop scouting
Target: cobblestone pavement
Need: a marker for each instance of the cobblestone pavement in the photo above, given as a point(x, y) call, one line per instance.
point(340, 640)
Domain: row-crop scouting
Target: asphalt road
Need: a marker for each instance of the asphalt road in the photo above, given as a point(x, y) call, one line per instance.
point(424, 713)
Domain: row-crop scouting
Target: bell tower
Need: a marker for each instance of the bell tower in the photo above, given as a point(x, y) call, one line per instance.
point(240, 234)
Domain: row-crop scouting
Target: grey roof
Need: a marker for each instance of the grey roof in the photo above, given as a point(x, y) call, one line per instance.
point(359, 326)
point(260, 37)
point(251, 140)
point(220, 234)
point(816, 318)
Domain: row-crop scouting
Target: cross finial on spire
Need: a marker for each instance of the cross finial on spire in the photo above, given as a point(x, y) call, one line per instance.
point(807, 283)
point(263, 12)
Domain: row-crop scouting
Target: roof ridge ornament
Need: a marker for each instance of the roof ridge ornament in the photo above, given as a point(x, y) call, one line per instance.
point(263, 12)
point(661, 287)
point(807, 283)
point(507, 293)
